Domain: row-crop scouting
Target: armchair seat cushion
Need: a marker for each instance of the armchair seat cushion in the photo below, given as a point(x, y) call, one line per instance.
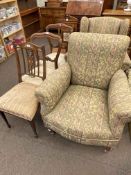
point(82, 116)
point(20, 101)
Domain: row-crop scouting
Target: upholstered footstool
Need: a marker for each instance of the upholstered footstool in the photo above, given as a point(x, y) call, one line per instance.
point(21, 102)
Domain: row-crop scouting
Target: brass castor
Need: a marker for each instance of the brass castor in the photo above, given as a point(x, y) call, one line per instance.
point(51, 131)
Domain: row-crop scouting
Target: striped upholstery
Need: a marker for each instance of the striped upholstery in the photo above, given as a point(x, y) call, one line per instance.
point(20, 101)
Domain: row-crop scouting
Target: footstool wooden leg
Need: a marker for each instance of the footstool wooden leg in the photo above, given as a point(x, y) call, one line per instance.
point(5, 119)
point(129, 128)
point(32, 124)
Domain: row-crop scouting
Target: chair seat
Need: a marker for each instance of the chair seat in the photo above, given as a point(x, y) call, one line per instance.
point(20, 101)
point(33, 80)
point(82, 116)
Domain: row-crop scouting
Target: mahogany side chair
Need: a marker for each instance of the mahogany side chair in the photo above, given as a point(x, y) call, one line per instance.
point(53, 44)
point(20, 101)
point(63, 31)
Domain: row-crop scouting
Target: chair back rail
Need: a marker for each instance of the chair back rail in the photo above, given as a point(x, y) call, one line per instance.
point(63, 31)
point(27, 60)
point(51, 38)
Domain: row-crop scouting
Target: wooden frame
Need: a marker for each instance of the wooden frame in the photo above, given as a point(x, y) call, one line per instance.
point(28, 56)
point(50, 37)
point(62, 30)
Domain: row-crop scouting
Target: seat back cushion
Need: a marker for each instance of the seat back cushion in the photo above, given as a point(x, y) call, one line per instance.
point(108, 25)
point(94, 58)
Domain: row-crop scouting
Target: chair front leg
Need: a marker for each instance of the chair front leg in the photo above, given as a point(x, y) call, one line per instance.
point(32, 124)
point(5, 119)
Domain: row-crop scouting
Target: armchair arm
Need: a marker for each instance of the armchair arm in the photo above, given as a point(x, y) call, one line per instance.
point(126, 63)
point(119, 103)
point(52, 88)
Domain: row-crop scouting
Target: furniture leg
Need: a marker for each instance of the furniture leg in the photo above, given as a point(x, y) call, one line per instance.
point(51, 131)
point(5, 119)
point(107, 149)
point(32, 124)
point(129, 128)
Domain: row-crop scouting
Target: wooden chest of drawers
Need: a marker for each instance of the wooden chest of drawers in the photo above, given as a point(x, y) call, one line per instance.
point(50, 15)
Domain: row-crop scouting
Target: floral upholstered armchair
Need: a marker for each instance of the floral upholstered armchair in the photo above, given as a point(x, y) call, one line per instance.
point(87, 99)
point(107, 25)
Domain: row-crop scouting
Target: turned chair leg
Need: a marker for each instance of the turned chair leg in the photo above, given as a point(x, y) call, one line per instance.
point(5, 119)
point(129, 129)
point(32, 124)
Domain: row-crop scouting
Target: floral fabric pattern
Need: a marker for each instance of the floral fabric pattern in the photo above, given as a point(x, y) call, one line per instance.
point(75, 101)
point(104, 25)
point(53, 87)
point(94, 58)
point(119, 102)
point(85, 118)
point(107, 25)
point(124, 27)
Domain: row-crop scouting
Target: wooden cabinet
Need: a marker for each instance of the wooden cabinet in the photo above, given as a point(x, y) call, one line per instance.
point(50, 15)
point(122, 15)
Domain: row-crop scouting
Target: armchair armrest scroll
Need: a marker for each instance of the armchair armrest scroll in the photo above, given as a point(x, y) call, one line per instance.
point(52, 88)
point(119, 102)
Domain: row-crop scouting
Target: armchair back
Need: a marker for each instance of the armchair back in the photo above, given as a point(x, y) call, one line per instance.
point(105, 25)
point(94, 58)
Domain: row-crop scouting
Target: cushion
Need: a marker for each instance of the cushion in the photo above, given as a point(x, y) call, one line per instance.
point(82, 116)
point(94, 58)
point(20, 101)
